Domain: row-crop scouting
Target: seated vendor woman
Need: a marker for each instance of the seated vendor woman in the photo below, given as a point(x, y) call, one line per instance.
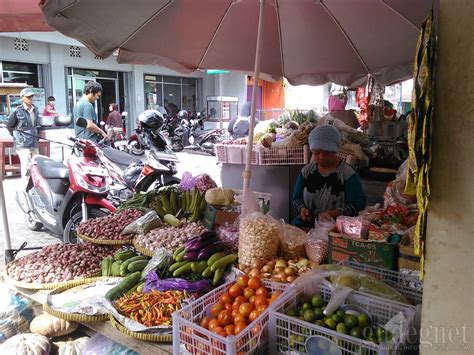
point(327, 186)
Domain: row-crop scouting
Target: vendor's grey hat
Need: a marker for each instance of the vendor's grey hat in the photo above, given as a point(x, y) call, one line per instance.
point(326, 138)
point(27, 92)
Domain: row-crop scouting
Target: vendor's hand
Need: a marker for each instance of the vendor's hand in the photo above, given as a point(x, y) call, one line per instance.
point(305, 214)
point(330, 214)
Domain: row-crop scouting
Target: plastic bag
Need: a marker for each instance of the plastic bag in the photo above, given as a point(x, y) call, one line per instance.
point(16, 314)
point(204, 182)
point(317, 244)
point(259, 235)
point(229, 235)
point(187, 181)
point(248, 203)
point(99, 345)
point(292, 242)
point(353, 227)
point(144, 224)
point(153, 282)
point(161, 261)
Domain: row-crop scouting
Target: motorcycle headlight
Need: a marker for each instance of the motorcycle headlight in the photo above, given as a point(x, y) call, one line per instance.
point(94, 183)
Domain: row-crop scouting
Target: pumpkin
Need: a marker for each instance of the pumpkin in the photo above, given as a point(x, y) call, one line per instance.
point(50, 326)
point(72, 347)
point(26, 344)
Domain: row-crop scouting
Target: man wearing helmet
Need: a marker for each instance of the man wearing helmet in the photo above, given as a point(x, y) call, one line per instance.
point(84, 108)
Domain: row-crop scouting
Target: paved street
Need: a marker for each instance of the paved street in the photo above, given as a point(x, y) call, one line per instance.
point(19, 233)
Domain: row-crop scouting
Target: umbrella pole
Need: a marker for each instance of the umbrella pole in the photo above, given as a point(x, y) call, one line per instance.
point(6, 230)
point(256, 75)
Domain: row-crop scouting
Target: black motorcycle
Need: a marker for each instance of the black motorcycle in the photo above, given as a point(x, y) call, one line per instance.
point(173, 132)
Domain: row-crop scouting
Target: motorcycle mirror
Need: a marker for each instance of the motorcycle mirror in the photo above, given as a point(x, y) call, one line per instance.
point(81, 122)
point(124, 113)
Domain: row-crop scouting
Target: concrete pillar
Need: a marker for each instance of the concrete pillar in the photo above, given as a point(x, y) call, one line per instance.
point(58, 76)
point(137, 98)
point(447, 311)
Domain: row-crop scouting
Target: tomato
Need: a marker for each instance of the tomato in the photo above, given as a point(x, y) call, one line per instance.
point(239, 318)
point(255, 283)
point(224, 318)
point(235, 290)
point(255, 330)
point(213, 323)
point(228, 306)
point(216, 309)
point(260, 300)
point(220, 331)
point(253, 315)
point(235, 312)
point(205, 322)
point(262, 307)
point(239, 327)
point(225, 298)
point(248, 292)
point(262, 291)
point(275, 295)
point(252, 300)
point(242, 281)
point(230, 329)
point(245, 309)
point(238, 301)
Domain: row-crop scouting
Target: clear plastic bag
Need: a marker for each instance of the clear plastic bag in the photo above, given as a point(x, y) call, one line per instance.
point(353, 227)
point(161, 261)
point(187, 181)
point(229, 234)
point(144, 224)
point(292, 242)
point(317, 244)
point(16, 314)
point(99, 345)
point(258, 238)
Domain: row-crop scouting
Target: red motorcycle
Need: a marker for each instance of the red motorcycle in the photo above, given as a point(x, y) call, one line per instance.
point(58, 197)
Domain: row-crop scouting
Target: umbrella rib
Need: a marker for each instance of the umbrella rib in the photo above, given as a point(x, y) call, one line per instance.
point(215, 34)
point(345, 35)
point(145, 23)
point(277, 9)
point(403, 17)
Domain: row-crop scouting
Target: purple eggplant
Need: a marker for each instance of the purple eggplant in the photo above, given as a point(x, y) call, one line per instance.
point(191, 255)
point(210, 249)
point(198, 245)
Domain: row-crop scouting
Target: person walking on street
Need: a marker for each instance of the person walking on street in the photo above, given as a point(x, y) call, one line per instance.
point(50, 109)
point(22, 125)
point(84, 108)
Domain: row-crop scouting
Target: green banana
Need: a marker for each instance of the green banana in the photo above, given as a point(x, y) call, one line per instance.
point(159, 209)
point(166, 205)
point(173, 202)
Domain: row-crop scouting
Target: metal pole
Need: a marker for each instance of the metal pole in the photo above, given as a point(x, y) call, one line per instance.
point(6, 230)
point(258, 55)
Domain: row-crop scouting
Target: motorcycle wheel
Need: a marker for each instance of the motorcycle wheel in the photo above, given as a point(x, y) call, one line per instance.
point(32, 224)
point(69, 235)
point(177, 145)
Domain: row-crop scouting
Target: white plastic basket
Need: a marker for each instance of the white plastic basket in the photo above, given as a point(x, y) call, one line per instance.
point(284, 156)
point(290, 334)
point(190, 338)
point(234, 154)
point(408, 284)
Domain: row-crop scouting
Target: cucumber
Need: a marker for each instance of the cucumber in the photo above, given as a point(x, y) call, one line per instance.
point(115, 268)
point(180, 256)
point(207, 272)
point(123, 255)
point(137, 265)
point(182, 270)
point(218, 275)
point(172, 220)
point(224, 261)
point(124, 267)
point(201, 266)
point(194, 265)
point(178, 251)
point(215, 256)
point(177, 265)
point(140, 287)
point(106, 265)
point(126, 284)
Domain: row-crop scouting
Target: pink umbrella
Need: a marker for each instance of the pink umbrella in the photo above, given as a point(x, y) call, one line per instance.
point(307, 41)
point(21, 16)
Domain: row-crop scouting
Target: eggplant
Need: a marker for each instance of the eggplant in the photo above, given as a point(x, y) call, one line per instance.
point(191, 255)
point(198, 245)
point(210, 249)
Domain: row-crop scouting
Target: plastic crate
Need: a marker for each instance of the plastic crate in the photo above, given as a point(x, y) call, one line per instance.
point(289, 333)
point(353, 161)
point(284, 156)
point(234, 154)
point(406, 283)
point(190, 338)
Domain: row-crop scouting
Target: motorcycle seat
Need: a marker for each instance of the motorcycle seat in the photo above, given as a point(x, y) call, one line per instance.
point(119, 157)
point(51, 169)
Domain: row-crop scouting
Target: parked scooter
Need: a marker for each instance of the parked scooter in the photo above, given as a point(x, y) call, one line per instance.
point(197, 139)
point(58, 197)
point(173, 132)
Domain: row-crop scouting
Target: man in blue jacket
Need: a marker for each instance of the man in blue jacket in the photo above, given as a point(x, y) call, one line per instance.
point(22, 125)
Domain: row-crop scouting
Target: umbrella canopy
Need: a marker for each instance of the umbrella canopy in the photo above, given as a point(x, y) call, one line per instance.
point(21, 16)
point(307, 41)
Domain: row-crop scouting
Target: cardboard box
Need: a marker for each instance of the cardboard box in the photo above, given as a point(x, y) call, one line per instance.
point(407, 258)
point(213, 215)
point(379, 254)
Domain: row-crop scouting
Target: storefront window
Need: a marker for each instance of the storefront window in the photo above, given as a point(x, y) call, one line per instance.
point(19, 73)
point(175, 90)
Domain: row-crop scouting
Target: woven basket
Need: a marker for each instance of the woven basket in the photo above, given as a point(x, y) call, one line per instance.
point(164, 338)
point(76, 317)
point(46, 286)
point(143, 250)
point(104, 241)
